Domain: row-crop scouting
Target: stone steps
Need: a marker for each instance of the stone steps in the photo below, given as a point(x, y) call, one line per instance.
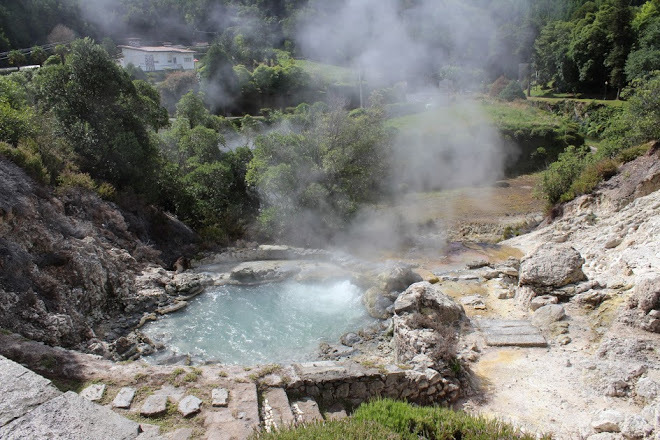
point(510, 333)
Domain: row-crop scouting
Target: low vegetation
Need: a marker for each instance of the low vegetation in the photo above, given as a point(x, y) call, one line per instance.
point(391, 420)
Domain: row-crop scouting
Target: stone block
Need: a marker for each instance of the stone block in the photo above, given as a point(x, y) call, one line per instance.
point(70, 417)
point(124, 398)
point(21, 390)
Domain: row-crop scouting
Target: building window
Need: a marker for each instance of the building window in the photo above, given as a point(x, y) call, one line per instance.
point(187, 60)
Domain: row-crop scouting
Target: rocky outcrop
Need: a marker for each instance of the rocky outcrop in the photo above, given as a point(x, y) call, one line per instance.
point(69, 262)
point(644, 306)
point(379, 298)
point(425, 326)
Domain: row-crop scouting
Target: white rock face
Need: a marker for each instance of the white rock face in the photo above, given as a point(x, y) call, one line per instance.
point(608, 421)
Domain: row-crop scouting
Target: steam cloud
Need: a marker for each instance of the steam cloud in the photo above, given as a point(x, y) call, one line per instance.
point(382, 40)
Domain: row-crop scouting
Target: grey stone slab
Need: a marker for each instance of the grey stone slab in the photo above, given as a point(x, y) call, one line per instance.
point(219, 397)
point(70, 417)
point(124, 398)
point(524, 340)
point(94, 392)
point(306, 410)
point(222, 425)
point(501, 323)
point(154, 405)
point(189, 405)
point(21, 390)
point(245, 404)
point(528, 330)
point(280, 409)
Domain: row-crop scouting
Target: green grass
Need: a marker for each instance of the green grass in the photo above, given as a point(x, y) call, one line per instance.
point(503, 115)
point(328, 73)
point(392, 420)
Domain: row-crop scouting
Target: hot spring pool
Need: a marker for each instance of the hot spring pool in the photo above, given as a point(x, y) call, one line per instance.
point(269, 323)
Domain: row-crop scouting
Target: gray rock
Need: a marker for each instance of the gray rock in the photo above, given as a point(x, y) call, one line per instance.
point(306, 411)
point(647, 389)
point(124, 398)
point(607, 421)
point(276, 409)
point(541, 301)
point(635, 427)
point(189, 405)
point(546, 315)
point(398, 278)
point(552, 265)
point(219, 397)
point(429, 296)
point(377, 303)
point(70, 417)
point(154, 405)
point(21, 390)
point(350, 339)
point(94, 392)
point(149, 432)
point(646, 302)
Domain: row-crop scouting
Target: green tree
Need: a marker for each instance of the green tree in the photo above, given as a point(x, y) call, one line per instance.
point(621, 40)
point(312, 183)
point(38, 55)
point(646, 57)
point(17, 58)
point(99, 110)
point(191, 106)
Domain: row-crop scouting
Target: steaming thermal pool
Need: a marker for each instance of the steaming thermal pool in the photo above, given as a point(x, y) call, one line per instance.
point(279, 322)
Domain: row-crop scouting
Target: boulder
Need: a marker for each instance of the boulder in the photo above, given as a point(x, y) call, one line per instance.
point(607, 421)
point(542, 300)
point(645, 301)
point(427, 297)
point(398, 278)
point(550, 266)
point(547, 315)
point(154, 405)
point(636, 427)
point(377, 303)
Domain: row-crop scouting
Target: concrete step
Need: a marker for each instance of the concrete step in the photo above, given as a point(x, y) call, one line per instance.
point(306, 410)
point(275, 409)
point(510, 333)
point(239, 419)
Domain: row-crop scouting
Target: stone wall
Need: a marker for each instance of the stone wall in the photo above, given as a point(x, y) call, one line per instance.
point(329, 382)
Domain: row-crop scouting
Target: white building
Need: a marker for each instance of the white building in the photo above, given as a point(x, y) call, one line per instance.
point(155, 58)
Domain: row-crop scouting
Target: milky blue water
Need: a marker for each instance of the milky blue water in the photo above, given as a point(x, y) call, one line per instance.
point(270, 323)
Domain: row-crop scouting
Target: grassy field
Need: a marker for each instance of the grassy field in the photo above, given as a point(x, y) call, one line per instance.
point(328, 73)
point(503, 115)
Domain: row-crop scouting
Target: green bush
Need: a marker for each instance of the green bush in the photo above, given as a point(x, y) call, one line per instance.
point(71, 179)
point(392, 420)
point(28, 160)
point(559, 176)
point(512, 92)
point(592, 174)
point(498, 86)
point(632, 153)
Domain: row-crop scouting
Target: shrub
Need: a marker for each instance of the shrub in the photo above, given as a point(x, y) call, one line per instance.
point(391, 420)
point(512, 92)
point(632, 153)
point(498, 86)
point(559, 176)
point(72, 179)
point(28, 160)
point(592, 174)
